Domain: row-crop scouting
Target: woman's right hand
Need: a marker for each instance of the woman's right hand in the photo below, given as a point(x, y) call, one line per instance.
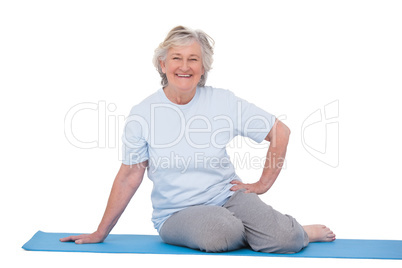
point(95, 237)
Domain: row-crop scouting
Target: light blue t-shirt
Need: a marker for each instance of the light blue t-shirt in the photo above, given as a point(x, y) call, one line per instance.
point(185, 146)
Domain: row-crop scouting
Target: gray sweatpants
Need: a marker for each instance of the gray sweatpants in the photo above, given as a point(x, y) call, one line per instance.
point(244, 220)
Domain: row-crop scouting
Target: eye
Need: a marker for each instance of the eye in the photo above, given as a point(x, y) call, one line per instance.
point(194, 59)
point(176, 58)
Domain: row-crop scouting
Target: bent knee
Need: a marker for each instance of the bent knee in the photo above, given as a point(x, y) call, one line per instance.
point(226, 235)
point(226, 239)
point(206, 228)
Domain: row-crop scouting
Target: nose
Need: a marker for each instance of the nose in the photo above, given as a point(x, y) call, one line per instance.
point(184, 66)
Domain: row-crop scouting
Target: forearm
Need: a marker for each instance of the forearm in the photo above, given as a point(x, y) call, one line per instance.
point(274, 162)
point(119, 198)
point(122, 191)
point(275, 159)
point(127, 181)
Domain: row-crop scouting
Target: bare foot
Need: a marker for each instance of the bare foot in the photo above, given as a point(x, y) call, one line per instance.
point(319, 233)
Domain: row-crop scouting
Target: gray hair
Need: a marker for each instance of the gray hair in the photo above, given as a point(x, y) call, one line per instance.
point(181, 36)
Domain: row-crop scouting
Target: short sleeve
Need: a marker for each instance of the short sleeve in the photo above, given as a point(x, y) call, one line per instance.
point(250, 120)
point(134, 140)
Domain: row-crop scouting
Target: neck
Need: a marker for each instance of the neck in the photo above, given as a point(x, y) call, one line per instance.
point(179, 97)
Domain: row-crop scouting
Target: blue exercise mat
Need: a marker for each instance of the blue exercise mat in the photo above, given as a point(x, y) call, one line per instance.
point(152, 244)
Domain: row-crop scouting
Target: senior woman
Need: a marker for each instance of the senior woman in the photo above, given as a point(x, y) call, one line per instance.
point(179, 134)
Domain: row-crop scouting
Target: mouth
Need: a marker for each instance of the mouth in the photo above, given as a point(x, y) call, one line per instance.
point(184, 75)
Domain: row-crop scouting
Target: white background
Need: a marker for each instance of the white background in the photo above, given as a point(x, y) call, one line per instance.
point(288, 57)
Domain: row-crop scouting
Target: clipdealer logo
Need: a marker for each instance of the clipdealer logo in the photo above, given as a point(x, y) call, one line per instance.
point(319, 131)
point(320, 134)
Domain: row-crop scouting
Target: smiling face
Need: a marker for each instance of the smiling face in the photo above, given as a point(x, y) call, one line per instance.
point(183, 68)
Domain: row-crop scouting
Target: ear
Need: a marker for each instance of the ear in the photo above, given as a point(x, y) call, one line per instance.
point(163, 67)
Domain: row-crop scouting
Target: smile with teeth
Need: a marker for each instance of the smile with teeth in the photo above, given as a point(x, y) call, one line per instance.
point(184, 75)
